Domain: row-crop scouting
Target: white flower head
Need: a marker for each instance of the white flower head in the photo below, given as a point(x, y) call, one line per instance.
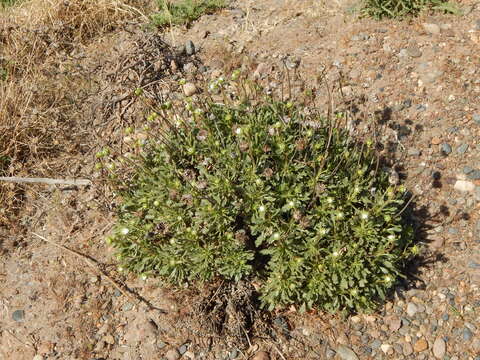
point(322, 231)
point(261, 208)
point(335, 254)
point(124, 231)
point(238, 131)
point(276, 236)
point(388, 279)
point(364, 215)
point(291, 203)
point(330, 200)
point(391, 237)
point(340, 215)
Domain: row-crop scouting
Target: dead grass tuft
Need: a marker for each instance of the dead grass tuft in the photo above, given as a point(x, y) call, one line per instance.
point(40, 91)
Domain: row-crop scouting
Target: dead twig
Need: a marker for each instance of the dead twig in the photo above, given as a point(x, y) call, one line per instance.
point(74, 182)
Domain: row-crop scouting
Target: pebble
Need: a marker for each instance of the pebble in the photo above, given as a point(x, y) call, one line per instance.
point(172, 354)
point(467, 334)
point(411, 309)
point(420, 345)
point(233, 354)
point(375, 344)
point(329, 353)
point(261, 355)
point(476, 118)
point(127, 307)
point(445, 148)
point(467, 169)
point(386, 348)
point(474, 175)
point(439, 348)
point(38, 357)
point(413, 152)
point(189, 89)
point(433, 29)
point(473, 265)
point(462, 149)
point(18, 315)
point(464, 186)
point(189, 48)
point(414, 51)
point(407, 349)
point(476, 345)
point(346, 353)
point(183, 349)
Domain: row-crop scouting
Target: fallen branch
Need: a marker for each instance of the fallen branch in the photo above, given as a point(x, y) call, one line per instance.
point(48, 181)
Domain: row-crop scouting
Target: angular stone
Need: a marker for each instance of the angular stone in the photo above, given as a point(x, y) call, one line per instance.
point(439, 348)
point(464, 186)
point(346, 353)
point(411, 309)
point(189, 89)
point(431, 28)
point(420, 345)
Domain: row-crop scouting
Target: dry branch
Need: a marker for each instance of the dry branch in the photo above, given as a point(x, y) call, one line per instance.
point(48, 181)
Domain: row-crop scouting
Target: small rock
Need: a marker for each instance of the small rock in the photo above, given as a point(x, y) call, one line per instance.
point(38, 357)
point(189, 89)
point(445, 148)
point(386, 348)
point(420, 345)
point(394, 324)
point(431, 28)
point(407, 349)
point(411, 309)
point(172, 354)
point(346, 353)
point(467, 170)
point(474, 175)
point(467, 334)
point(233, 354)
point(473, 265)
point(189, 48)
point(109, 339)
point(18, 315)
point(462, 149)
point(464, 186)
point(183, 349)
point(261, 355)
point(127, 307)
point(413, 152)
point(476, 345)
point(439, 348)
point(414, 51)
point(375, 344)
point(476, 118)
point(435, 141)
point(329, 353)
point(261, 71)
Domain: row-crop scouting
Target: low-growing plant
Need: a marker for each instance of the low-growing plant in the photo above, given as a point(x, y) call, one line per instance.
point(262, 192)
point(184, 11)
point(399, 8)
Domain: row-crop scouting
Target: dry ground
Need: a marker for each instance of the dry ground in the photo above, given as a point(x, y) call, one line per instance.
point(71, 70)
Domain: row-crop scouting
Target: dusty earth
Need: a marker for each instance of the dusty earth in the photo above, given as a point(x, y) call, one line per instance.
point(61, 296)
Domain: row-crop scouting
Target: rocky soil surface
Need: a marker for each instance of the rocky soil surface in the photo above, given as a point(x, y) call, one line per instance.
point(419, 77)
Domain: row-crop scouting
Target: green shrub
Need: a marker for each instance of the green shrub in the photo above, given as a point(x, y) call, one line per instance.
point(399, 8)
point(6, 3)
point(260, 192)
point(185, 11)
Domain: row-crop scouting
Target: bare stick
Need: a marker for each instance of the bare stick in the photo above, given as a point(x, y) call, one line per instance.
point(48, 181)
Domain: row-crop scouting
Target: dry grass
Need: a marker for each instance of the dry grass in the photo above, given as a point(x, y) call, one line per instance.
point(40, 95)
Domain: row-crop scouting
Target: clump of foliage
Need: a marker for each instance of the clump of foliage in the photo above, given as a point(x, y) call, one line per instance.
point(262, 192)
point(379, 9)
point(184, 11)
point(6, 3)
